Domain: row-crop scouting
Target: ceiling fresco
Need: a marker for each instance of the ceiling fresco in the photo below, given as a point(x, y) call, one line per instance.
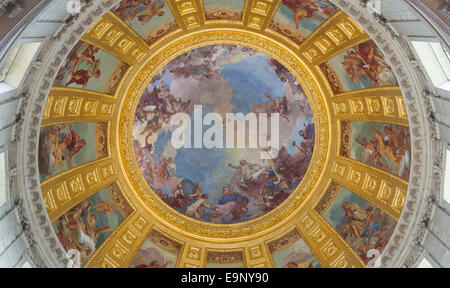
point(63, 147)
point(87, 225)
point(157, 251)
point(237, 185)
point(120, 194)
point(362, 67)
point(90, 68)
point(291, 251)
point(304, 16)
point(370, 228)
point(149, 19)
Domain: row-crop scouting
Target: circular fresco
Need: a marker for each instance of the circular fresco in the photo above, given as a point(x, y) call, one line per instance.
point(223, 134)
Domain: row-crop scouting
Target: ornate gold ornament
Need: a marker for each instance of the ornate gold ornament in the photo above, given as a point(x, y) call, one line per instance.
point(71, 105)
point(67, 189)
point(129, 166)
point(201, 241)
point(380, 104)
point(188, 13)
point(384, 190)
point(259, 13)
point(112, 35)
point(339, 33)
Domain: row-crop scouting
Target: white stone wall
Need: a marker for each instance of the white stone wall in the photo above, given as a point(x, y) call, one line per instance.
point(14, 250)
point(12, 243)
point(408, 25)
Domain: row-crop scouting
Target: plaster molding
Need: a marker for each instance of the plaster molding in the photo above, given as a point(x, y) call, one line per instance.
point(23, 148)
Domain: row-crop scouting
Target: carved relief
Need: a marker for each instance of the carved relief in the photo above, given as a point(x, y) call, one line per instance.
point(112, 35)
point(258, 14)
point(154, 36)
point(374, 185)
point(329, 248)
point(285, 30)
point(76, 105)
point(119, 200)
point(284, 242)
point(231, 259)
point(101, 140)
point(64, 190)
point(223, 14)
point(332, 77)
point(188, 13)
point(346, 138)
point(328, 198)
point(380, 104)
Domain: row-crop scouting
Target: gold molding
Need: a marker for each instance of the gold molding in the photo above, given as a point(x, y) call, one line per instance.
point(239, 250)
point(120, 248)
point(192, 256)
point(380, 104)
point(70, 105)
point(326, 244)
point(153, 203)
point(188, 13)
point(67, 189)
point(339, 33)
point(115, 37)
point(250, 237)
point(384, 190)
point(258, 14)
point(258, 256)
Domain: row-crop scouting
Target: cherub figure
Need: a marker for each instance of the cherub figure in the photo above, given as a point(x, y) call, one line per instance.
point(318, 9)
point(366, 61)
point(105, 207)
point(66, 146)
point(197, 192)
point(144, 10)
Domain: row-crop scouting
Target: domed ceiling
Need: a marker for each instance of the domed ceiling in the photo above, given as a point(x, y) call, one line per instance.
point(120, 193)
